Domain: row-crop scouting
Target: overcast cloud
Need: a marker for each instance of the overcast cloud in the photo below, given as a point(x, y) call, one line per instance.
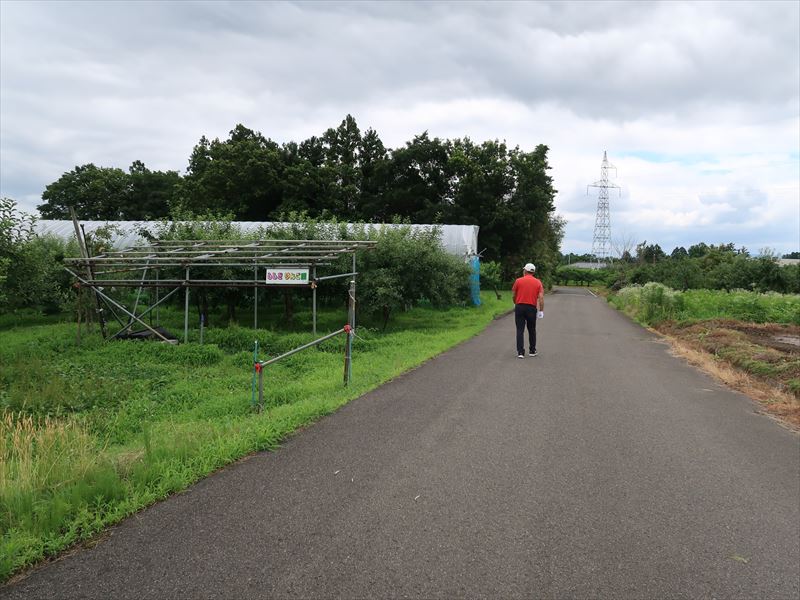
point(697, 103)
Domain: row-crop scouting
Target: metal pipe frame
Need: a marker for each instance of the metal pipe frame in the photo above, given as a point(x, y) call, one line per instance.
point(98, 291)
point(316, 342)
point(111, 310)
point(145, 313)
point(348, 330)
point(139, 294)
point(253, 243)
point(334, 276)
point(184, 255)
point(259, 365)
point(351, 331)
point(154, 251)
point(260, 388)
point(255, 297)
point(222, 255)
point(195, 283)
point(353, 293)
point(121, 265)
point(308, 249)
point(314, 300)
point(186, 311)
point(158, 316)
point(80, 235)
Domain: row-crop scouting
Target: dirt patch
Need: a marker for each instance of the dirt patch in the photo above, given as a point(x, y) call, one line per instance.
point(785, 338)
point(760, 360)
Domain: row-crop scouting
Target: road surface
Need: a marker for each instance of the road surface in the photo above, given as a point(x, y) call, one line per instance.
point(603, 468)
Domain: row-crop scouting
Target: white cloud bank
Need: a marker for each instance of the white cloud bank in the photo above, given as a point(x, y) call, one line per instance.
point(697, 103)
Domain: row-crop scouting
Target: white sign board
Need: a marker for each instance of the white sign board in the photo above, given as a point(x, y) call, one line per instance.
point(284, 276)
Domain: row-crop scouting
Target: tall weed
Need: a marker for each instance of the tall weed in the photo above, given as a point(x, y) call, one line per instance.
point(650, 303)
point(47, 468)
point(654, 302)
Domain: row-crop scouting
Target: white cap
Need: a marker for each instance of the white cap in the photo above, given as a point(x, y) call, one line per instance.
point(530, 267)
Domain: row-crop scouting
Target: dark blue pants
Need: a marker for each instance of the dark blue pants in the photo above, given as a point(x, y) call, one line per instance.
point(525, 314)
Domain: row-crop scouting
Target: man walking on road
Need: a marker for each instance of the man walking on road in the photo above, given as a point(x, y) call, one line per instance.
point(528, 294)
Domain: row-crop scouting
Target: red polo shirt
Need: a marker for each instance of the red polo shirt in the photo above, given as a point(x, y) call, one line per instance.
point(526, 290)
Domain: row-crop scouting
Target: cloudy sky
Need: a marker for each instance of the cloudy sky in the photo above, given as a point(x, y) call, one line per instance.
point(697, 103)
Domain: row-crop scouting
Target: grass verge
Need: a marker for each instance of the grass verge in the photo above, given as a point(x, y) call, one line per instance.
point(90, 434)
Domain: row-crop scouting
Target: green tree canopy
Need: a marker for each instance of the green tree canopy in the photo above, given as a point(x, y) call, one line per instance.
point(100, 193)
point(151, 193)
point(343, 174)
point(241, 175)
point(96, 193)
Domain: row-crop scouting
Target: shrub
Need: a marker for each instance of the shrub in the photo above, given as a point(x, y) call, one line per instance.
point(408, 267)
point(492, 276)
point(659, 303)
point(31, 266)
point(651, 303)
point(37, 279)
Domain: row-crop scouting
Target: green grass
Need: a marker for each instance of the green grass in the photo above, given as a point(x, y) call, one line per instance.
point(92, 433)
point(654, 303)
point(769, 307)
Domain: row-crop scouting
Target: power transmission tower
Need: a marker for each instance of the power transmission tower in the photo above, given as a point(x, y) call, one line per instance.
point(601, 242)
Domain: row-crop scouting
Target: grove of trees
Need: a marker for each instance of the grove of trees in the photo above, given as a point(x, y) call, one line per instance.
point(345, 174)
point(701, 266)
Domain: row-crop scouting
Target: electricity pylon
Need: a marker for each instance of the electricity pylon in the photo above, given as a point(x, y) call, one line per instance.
point(601, 242)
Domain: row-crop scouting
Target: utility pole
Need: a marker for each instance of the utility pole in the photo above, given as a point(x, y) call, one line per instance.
point(601, 242)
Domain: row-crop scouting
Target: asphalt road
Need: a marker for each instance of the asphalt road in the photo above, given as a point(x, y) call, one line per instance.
point(603, 468)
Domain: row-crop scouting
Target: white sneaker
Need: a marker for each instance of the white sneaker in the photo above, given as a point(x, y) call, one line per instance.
point(520, 356)
point(532, 354)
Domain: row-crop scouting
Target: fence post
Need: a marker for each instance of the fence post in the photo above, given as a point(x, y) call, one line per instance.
point(353, 293)
point(186, 310)
point(255, 371)
point(314, 300)
point(350, 332)
point(260, 387)
point(158, 317)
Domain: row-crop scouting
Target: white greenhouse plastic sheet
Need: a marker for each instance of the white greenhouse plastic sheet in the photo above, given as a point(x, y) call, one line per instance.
point(459, 240)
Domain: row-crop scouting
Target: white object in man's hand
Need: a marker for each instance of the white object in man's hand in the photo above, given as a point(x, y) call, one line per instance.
point(540, 314)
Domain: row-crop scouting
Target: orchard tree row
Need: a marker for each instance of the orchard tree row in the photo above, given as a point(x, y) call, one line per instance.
point(701, 266)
